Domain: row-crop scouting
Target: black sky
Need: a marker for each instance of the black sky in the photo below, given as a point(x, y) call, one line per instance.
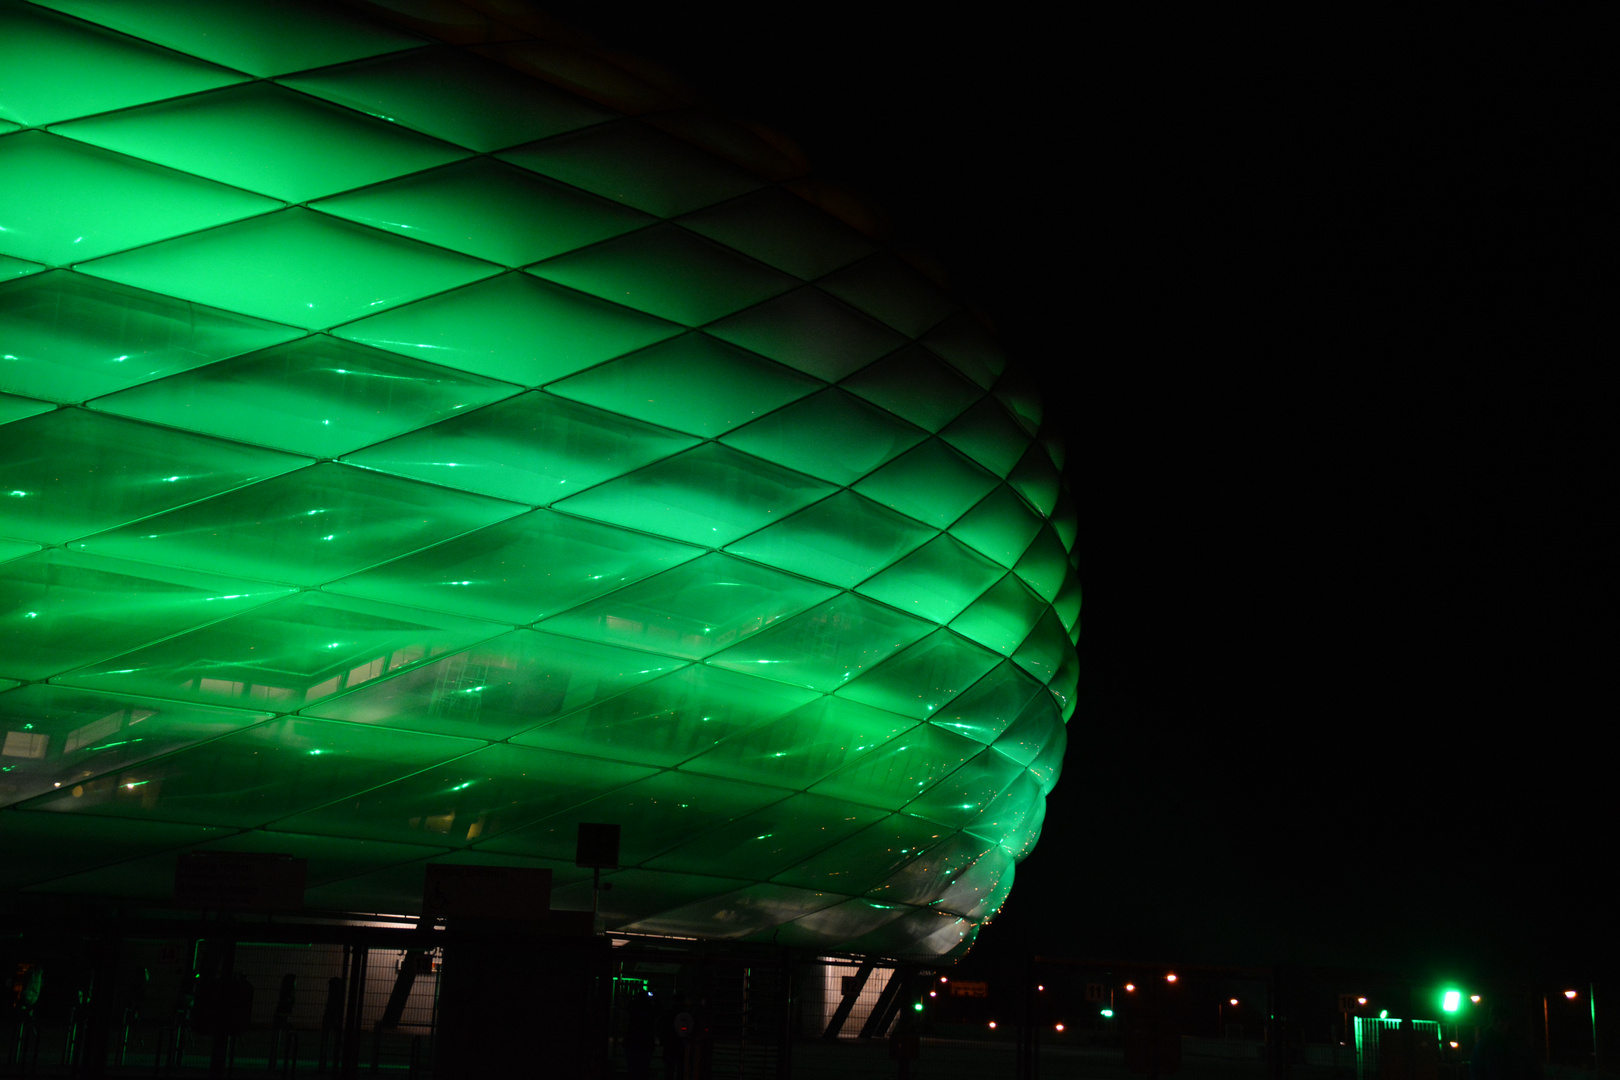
point(1317, 302)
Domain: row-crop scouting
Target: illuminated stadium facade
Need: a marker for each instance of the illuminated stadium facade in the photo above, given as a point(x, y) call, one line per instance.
point(420, 435)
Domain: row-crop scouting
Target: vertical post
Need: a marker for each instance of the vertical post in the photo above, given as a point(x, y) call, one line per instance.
point(350, 1061)
point(1591, 1000)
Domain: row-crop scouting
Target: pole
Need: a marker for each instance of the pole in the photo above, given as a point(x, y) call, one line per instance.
point(1591, 999)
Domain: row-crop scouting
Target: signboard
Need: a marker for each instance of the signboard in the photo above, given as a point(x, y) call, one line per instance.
point(239, 881)
point(969, 989)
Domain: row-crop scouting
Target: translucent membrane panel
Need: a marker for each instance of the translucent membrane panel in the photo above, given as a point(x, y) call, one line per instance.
point(294, 266)
point(782, 230)
point(1048, 764)
point(47, 847)
point(924, 678)
point(898, 771)
point(693, 610)
point(14, 268)
point(258, 775)
point(58, 68)
point(805, 745)
point(284, 655)
point(451, 95)
point(988, 435)
point(631, 163)
point(1067, 604)
point(773, 839)
point(965, 793)
point(841, 540)
point(1045, 566)
point(53, 738)
point(62, 202)
point(1002, 526)
point(261, 37)
point(513, 328)
point(854, 865)
point(656, 814)
point(978, 891)
point(1038, 481)
point(533, 449)
point(968, 347)
point(1037, 724)
point(15, 549)
point(1003, 617)
point(811, 331)
point(69, 337)
point(891, 291)
point(991, 705)
point(60, 609)
point(692, 383)
point(744, 913)
point(259, 137)
point(488, 210)
point(1047, 650)
point(471, 798)
point(1013, 820)
point(915, 384)
point(520, 570)
point(924, 878)
point(494, 689)
point(923, 934)
point(1064, 682)
point(826, 646)
point(937, 581)
point(831, 435)
point(317, 396)
point(304, 528)
point(642, 894)
point(709, 495)
point(669, 720)
point(668, 272)
point(830, 927)
point(930, 482)
point(71, 472)
point(19, 408)
point(1019, 396)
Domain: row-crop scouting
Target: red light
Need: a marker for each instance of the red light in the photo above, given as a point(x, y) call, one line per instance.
point(1060, 1027)
point(1170, 977)
point(992, 1023)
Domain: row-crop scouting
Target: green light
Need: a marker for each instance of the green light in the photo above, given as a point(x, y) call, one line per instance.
point(1107, 1014)
point(918, 1007)
point(1451, 1001)
point(511, 448)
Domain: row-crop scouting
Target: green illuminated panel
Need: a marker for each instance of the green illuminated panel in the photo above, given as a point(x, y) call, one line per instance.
point(831, 435)
point(59, 68)
point(520, 570)
point(72, 472)
point(246, 136)
point(257, 775)
point(513, 328)
point(471, 798)
point(692, 610)
point(295, 266)
point(62, 202)
point(253, 35)
point(305, 527)
point(669, 720)
point(668, 272)
point(60, 609)
point(487, 210)
point(284, 655)
point(826, 646)
point(635, 165)
point(317, 396)
point(541, 464)
point(493, 690)
point(811, 331)
point(709, 495)
point(692, 383)
point(451, 95)
point(71, 337)
point(533, 449)
point(842, 540)
point(57, 739)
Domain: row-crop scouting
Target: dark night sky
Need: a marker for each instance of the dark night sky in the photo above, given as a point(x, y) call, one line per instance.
point(1316, 302)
